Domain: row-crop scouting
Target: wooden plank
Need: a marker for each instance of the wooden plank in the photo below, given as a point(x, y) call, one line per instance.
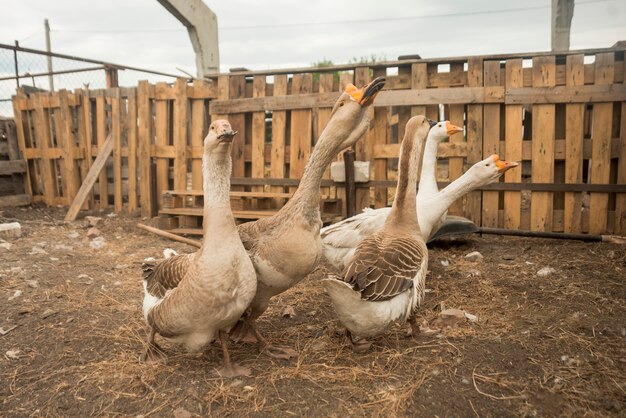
point(103, 187)
point(258, 133)
point(42, 134)
point(132, 150)
point(473, 206)
point(600, 165)
point(620, 198)
point(15, 200)
point(80, 141)
point(87, 118)
point(567, 94)
point(21, 142)
point(8, 167)
point(301, 125)
point(513, 142)
point(12, 150)
point(541, 206)
point(68, 143)
point(197, 131)
point(144, 141)
point(380, 138)
point(574, 139)
point(181, 110)
point(105, 151)
point(116, 134)
point(454, 95)
point(162, 133)
point(455, 165)
point(491, 141)
point(237, 90)
point(363, 146)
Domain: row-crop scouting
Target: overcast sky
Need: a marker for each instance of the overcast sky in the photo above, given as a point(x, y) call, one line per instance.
point(142, 33)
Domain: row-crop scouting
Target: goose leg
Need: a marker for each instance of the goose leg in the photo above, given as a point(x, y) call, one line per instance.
point(230, 369)
point(360, 345)
point(242, 333)
point(283, 353)
point(154, 353)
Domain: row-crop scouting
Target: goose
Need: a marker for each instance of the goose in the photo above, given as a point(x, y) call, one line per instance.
point(384, 280)
point(192, 297)
point(286, 247)
point(341, 239)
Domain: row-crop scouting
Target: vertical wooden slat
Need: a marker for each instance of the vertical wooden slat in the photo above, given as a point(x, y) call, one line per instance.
point(161, 118)
point(71, 181)
point(197, 135)
point(80, 139)
point(279, 121)
point(21, 142)
point(601, 146)
point(180, 134)
point(144, 141)
point(258, 133)
point(323, 115)
point(87, 117)
point(380, 136)
point(543, 75)
point(116, 134)
point(574, 134)
point(513, 145)
point(363, 147)
point(344, 79)
point(456, 163)
point(132, 150)
point(473, 205)
point(620, 198)
point(301, 125)
point(491, 141)
point(237, 90)
point(103, 186)
point(42, 133)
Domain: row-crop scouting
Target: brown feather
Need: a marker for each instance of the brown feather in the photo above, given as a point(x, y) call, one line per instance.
point(166, 275)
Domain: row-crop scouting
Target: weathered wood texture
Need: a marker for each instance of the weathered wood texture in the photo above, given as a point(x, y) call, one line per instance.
point(561, 116)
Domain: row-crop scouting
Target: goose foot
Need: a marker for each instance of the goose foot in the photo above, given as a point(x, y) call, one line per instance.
point(281, 353)
point(359, 345)
point(242, 333)
point(233, 370)
point(154, 353)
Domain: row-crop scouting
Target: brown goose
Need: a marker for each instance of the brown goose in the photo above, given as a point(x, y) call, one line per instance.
point(287, 247)
point(384, 280)
point(191, 298)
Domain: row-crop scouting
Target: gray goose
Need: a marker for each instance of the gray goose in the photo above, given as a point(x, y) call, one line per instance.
point(384, 280)
point(191, 298)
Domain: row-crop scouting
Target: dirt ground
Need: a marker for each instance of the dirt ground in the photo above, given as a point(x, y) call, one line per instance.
point(553, 346)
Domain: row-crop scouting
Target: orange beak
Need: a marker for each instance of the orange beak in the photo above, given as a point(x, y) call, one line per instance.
point(365, 96)
point(504, 165)
point(452, 129)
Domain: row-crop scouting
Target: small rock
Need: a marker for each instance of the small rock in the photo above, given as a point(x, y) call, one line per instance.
point(111, 215)
point(16, 295)
point(92, 220)
point(449, 317)
point(12, 354)
point(311, 313)
point(319, 345)
point(149, 260)
point(32, 283)
point(289, 312)
point(117, 283)
point(63, 247)
point(97, 243)
point(546, 271)
point(121, 266)
point(465, 381)
point(470, 317)
point(474, 273)
point(10, 230)
point(445, 263)
point(93, 232)
point(508, 257)
point(182, 413)
point(168, 252)
point(474, 256)
point(73, 235)
point(37, 250)
point(248, 388)
point(5, 246)
point(54, 259)
point(47, 313)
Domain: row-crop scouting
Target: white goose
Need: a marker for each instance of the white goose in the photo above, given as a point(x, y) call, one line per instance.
point(191, 298)
point(384, 280)
point(341, 239)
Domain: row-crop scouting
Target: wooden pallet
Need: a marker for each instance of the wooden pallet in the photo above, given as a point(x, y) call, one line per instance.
point(13, 183)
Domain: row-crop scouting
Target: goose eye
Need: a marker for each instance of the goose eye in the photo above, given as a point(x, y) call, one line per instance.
point(439, 125)
point(341, 104)
point(487, 164)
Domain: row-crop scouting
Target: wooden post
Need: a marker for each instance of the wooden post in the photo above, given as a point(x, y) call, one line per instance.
point(258, 133)
point(116, 133)
point(132, 150)
point(513, 146)
point(473, 207)
point(197, 135)
point(180, 135)
point(363, 148)
point(144, 139)
point(301, 126)
point(279, 123)
point(491, 141)
point(348, 160)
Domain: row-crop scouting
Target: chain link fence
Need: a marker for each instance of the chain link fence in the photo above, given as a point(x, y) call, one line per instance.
point(28, 68)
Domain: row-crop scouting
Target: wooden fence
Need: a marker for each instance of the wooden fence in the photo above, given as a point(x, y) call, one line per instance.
point(562, 116)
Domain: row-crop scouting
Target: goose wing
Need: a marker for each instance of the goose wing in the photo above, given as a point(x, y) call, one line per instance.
point(165, 275)
point(384, 266)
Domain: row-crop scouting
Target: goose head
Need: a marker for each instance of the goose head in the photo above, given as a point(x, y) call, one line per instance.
point(219, 138)
point(490, 169)
point(442, 131)
point(348, 119)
